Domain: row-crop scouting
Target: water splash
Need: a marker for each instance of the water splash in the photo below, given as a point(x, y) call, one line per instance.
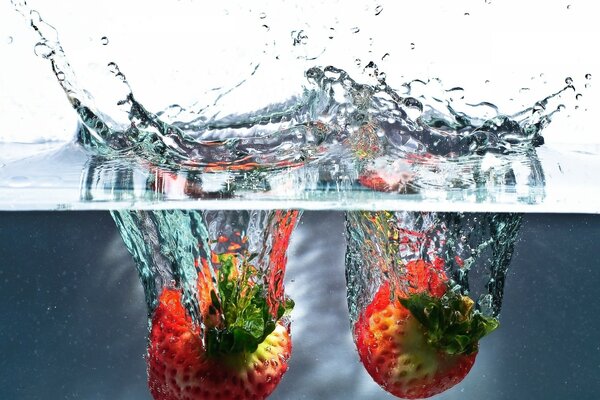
point(332, 117)
point(180, 249)
point(474, 251)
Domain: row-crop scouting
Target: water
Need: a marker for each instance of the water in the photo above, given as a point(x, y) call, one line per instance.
point(333, 133)
point(334, 138)
point(81, 306)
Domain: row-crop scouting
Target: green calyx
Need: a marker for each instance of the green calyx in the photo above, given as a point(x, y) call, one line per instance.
point(244, 310)
point(451, 322)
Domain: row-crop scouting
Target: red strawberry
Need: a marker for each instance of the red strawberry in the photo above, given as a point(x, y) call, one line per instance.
point(245, 351)
point(385, 175)
point(423, 344)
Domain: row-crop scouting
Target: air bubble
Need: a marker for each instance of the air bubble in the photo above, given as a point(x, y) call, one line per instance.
point(104, 40)
point(412, 46)
point(569, 81)
point(356, 29)
point(386, 55)
point(588, 76)
point(60, 76)
point(358, 62)
point(578, 96)
point(9, 40)
point(467, 14)
point(378, 10)
point(266, 27)
point(262, 15)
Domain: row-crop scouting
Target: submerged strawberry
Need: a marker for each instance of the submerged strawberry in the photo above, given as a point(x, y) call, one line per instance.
point(423, 342)
point(245, 349)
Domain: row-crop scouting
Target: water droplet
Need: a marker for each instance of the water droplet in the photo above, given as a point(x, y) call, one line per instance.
point(386, 55)
point(42, 49)
point(569, 81)
point(112, 67)
point(378, 10)
point(299, 37)
point(262, 15)
point(104, 40)
point(356, 29)
point(412, 46)
point(9, 40)
point(588, 76)
point(578, 96)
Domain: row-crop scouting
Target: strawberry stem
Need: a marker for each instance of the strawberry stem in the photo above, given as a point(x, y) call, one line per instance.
point(242, 303)
point(451, 322)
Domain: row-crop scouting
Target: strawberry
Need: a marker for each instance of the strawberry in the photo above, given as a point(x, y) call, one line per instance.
point(385, 175)
point(422, 341)
point(243, 351)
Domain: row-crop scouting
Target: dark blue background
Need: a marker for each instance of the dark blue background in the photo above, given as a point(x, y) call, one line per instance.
point(73, 325)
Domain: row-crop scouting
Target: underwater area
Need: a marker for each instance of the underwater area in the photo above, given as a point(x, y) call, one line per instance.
point(305, 200)
point(74, 315)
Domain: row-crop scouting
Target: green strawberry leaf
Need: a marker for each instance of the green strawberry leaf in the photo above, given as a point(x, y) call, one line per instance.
point(451, 323)
point(246, 315)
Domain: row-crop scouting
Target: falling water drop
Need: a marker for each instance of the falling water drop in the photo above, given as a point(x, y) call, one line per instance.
point(104, 40)
point(378, 10)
